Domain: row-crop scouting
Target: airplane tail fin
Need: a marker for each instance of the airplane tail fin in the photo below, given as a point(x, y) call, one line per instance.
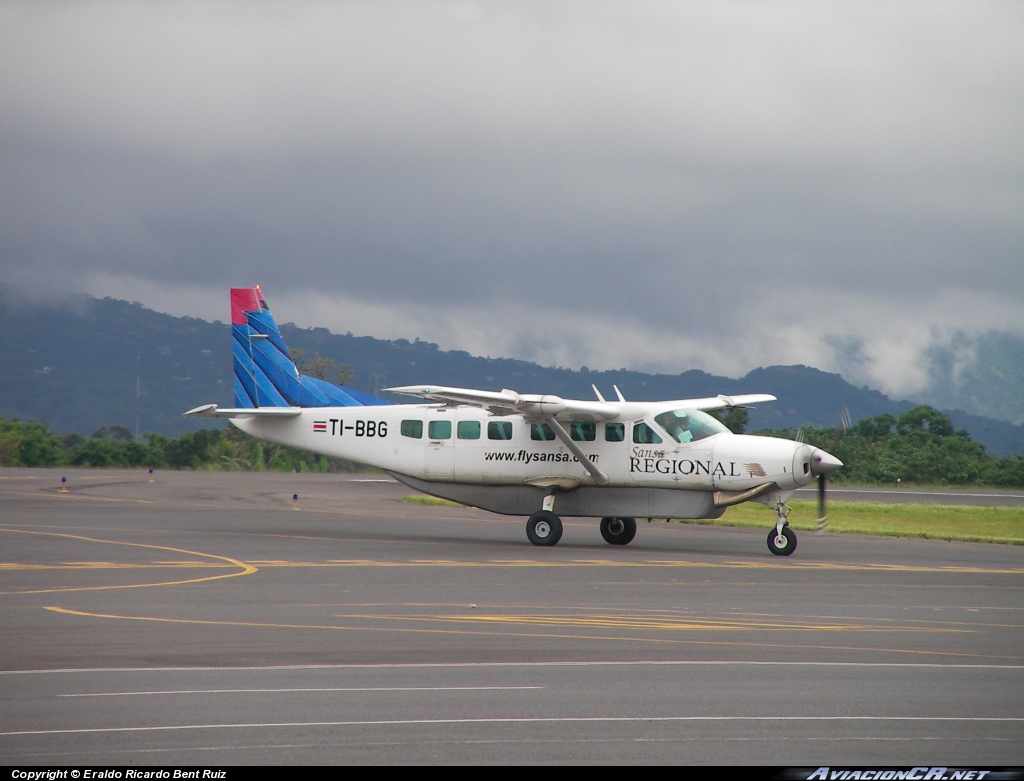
point(265, 374)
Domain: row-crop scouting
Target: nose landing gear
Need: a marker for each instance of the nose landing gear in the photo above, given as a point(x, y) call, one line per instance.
point(782, 539)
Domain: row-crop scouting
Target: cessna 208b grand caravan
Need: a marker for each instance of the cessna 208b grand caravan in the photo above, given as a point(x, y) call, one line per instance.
point(521, 454)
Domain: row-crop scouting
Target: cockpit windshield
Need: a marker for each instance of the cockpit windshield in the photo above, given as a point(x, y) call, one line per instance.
point(688, 425)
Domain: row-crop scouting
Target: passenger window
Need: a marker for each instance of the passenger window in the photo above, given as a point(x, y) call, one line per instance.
point(614, 432)
point(583, 432)
point(412, 428)
point(644, 435)
point(541, 432)
point(439, 429)
point(499, 429)
point(469, 429)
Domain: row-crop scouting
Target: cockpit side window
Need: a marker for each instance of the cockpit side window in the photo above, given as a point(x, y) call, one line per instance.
point(684, 425)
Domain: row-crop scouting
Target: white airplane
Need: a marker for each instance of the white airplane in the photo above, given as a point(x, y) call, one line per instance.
point(521, 454)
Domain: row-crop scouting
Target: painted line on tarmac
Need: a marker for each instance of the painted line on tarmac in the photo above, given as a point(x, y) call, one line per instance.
point(634, 622)
point(651, 563)
point(101, 565)
point(532, 665)
point(511, 563)
point(244, 568)
point(56, 494)
point(543, 635)
point(520, 720)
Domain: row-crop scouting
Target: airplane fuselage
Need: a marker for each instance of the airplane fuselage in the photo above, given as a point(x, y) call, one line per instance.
point(438, 445)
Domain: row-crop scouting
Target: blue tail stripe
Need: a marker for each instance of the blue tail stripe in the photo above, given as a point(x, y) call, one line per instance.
point(259, 389)
point(337, 395)
point(281, 374)
point(263, 322)
point(243, 376)
point(242, 400)
point(269, 394)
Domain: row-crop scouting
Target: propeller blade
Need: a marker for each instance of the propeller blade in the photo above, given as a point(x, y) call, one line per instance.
point(822, 513)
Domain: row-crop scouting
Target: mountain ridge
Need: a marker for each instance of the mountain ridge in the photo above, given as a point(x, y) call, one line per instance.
point(86, 362)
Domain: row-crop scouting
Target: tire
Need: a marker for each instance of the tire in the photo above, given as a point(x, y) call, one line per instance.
point(544, 528)
point(775, 544)
point(618, 531)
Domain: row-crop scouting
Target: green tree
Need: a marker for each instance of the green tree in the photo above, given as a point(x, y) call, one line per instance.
point(28, 444)
point(919, 447)
point(326, 369)
point(734, 418)
point(193, 450)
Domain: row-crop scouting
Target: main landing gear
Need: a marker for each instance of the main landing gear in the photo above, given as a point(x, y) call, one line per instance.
point(618, 531)
point(781, 539)
point(545, 528)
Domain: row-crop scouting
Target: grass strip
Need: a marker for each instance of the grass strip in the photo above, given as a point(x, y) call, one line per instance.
point(433, 501)
point(933, 521)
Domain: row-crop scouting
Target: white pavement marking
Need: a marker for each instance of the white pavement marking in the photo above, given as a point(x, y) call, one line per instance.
point(316, 689)
point(499, 720)
point(478, 665)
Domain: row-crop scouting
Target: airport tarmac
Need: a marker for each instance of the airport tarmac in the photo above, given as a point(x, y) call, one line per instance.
point(200, 620)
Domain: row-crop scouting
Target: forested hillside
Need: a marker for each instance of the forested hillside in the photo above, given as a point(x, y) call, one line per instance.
point(83, 363)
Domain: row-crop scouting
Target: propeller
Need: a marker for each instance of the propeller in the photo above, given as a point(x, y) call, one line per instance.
point(823, 464)
point(845, 424)
point(822, 514)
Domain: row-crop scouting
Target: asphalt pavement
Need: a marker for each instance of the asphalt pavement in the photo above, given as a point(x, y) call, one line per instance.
point(200, 619)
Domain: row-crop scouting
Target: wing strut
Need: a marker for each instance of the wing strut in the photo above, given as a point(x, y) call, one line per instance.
point(599, 477)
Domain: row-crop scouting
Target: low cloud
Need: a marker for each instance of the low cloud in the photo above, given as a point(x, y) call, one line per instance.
point(659, 187)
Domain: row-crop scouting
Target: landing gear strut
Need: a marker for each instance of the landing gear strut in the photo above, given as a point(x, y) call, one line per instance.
point(781, 539)
point(544, 527)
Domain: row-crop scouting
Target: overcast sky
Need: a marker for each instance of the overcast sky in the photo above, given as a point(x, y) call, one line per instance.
point(660, 186)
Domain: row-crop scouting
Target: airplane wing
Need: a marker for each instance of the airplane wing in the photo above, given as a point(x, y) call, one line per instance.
point(213, 411)
point(537, 407)
point(721, 402)
point(530, 406)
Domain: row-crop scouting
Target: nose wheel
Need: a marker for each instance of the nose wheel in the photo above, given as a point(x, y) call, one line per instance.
point(782, 543)
point(781, 539)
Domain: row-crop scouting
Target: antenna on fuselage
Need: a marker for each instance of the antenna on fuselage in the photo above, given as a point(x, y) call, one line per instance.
point(619, 393)
point(599, 396)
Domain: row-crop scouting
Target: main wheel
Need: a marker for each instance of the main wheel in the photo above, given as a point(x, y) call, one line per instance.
point(544, 528)
point(782, 544)
point(618, 531)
